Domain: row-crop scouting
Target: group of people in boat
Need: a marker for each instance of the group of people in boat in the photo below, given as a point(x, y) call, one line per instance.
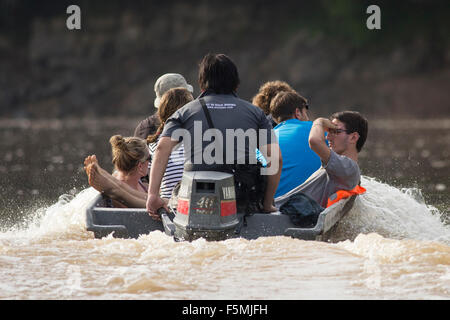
point(309, 164)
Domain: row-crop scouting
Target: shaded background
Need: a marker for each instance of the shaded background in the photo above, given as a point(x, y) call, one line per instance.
point(322, 48)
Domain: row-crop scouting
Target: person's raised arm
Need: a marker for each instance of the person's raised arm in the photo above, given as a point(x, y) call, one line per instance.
point(158, 167)
point(317, 141)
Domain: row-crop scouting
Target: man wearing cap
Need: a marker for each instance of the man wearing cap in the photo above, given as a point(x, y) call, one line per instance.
point(290, 110)
point(164, 83)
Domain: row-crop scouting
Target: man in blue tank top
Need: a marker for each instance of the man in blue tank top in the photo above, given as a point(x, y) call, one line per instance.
point(290, 109)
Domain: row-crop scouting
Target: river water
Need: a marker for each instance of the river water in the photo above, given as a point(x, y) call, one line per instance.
point(393, 244)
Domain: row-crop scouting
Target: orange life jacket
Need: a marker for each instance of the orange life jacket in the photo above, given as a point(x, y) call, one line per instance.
point(342, 194)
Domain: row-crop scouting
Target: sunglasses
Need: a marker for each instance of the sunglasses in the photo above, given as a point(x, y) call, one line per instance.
point(338, 131)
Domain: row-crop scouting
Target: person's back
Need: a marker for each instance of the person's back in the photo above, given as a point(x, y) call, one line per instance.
point(299, 161)
point(174, 169)
point(220, 132)
point(172, 100)
point(230, 116)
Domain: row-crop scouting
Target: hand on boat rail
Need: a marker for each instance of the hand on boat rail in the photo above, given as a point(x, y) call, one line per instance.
point(154, 205)
point(162, 211)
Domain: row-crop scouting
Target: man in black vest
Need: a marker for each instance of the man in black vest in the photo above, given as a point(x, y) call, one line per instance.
point(235, 127)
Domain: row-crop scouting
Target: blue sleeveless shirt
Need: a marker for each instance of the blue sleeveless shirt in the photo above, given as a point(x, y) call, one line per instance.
point(299, 161)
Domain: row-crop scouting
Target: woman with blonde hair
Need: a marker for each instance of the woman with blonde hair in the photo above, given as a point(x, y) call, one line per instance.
point(130, 156)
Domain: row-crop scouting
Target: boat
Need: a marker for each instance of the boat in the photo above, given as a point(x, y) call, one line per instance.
point(205, 209)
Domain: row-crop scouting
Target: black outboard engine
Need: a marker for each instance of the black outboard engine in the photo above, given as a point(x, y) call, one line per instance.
point(206, 206)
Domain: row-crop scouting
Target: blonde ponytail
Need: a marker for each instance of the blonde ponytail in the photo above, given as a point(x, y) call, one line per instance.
point(127, 152)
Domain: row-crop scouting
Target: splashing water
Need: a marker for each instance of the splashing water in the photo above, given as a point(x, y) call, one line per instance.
point(392, 213)
point(390, 245)
point(63, 220)
point(383, 209)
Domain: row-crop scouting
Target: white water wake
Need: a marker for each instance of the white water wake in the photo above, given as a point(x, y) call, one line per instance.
point(389, 246)
point(63, 220)
point(383, 209)
point(392, 213)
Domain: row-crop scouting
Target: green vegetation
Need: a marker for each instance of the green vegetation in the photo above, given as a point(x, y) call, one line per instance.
point(344, 21)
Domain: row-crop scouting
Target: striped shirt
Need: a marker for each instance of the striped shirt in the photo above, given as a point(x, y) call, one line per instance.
point(174, 170)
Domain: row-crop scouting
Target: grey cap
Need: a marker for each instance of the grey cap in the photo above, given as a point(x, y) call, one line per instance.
point(169, 81)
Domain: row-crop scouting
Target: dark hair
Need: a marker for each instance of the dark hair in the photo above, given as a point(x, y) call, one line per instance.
point(171, 101)
point(218, 73)
point(285, 103)
point(267, 92)
point(354, 122)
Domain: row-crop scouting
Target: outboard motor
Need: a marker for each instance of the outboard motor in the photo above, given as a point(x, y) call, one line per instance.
point(206, 206)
